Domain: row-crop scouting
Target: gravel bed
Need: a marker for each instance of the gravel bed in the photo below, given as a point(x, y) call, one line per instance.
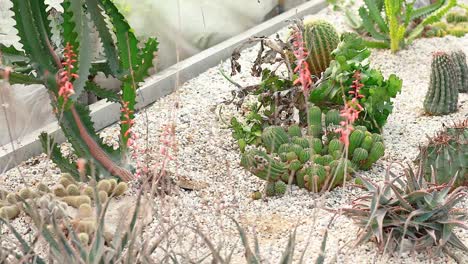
point(207, 153)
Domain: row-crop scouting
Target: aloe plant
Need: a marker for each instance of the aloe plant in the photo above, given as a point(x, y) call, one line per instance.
point(41, 62)
point(389, 22)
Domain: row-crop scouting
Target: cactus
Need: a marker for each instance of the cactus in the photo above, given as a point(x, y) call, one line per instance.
point(84, 238)
point(273, 137)
point(280, 188)
point(459, 58)
point(262, 166)
point(442, 96)
point(104, 185)
point(270, 189)
point(295, 131)
point(355, 140)
point(9, 212)
point(26, 193)
point(120, 189)
point(456, 17)
point(447, 154)
point(333, 117)
point(73, 190)
point(85, 210)
point(320, 39)
point(377, 151)
point(76, 201)
point(60, 191)
point(315, 121)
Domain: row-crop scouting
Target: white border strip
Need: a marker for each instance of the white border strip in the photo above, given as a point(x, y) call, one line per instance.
point(104, 113)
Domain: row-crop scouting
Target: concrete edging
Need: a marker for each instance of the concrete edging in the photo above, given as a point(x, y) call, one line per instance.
point(105, 113)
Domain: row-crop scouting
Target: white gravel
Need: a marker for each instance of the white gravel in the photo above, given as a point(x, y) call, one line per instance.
point(207, 153)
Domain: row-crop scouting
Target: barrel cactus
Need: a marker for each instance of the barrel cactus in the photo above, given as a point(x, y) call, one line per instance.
point(459, 58)
point(273, 137)
point(442, 96)
point(447, 155)
point(320, 39)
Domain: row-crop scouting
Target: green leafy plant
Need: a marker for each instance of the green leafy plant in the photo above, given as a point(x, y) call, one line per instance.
point(409, 213)
point(447, 155)
point(65, 74)
point(352, 55)
point(401, 23)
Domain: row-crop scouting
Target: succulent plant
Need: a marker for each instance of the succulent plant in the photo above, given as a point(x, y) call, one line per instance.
point(459, 58)
point(320, 39)
point(312, 161)
point(447, 155)
point(442, 96)
point(273, 137)
point(411, 210)
point(456, 17)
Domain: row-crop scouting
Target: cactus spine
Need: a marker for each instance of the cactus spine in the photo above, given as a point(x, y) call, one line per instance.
point(442, 96)
point(320, 39)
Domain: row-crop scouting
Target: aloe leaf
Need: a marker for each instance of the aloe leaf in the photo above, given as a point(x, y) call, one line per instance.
point(25, 248)
point(98, 19)
point(288, 253)
point(127, 43)
point(52, 149)
point(34, 32)
point(19, 78)
point(97, 90)
point(10, 55)
point(375, 13)
point(425, 10)
point(249, 256)
point(368, 24)
point(147, 56)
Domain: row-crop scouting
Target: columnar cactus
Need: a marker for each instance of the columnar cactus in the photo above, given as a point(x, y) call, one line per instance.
point(459, 58)
point(320, 39)
point(442, 96)
point(447, 155)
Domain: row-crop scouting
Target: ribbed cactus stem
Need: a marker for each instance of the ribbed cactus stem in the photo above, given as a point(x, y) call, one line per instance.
point(321, 39)
point(459, 58)
point(442, 96)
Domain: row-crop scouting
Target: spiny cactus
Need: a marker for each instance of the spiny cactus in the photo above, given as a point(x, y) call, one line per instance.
point(314, 163)
point(459, 58)
point(273, 137)
point(447, 155)
point(315, 121)
point(320, 39)
point(456, 17)
point(442, 96)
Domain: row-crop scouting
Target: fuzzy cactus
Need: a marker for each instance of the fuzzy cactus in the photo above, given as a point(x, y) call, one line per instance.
point(76, 201)
point(459, 58)
point(320, 39)
point(442, 96)
point(456, 17)
point(447, 155)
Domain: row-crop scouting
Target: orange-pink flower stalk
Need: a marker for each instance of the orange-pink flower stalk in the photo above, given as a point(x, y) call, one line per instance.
point(66, 75)
point(351, 109)
point(302, 67)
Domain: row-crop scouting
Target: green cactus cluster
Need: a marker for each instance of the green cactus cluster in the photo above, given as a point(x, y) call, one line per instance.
point(456, 17)
point(442, 96)
point(447, 155)
point(314, 161)
point(320, 39)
